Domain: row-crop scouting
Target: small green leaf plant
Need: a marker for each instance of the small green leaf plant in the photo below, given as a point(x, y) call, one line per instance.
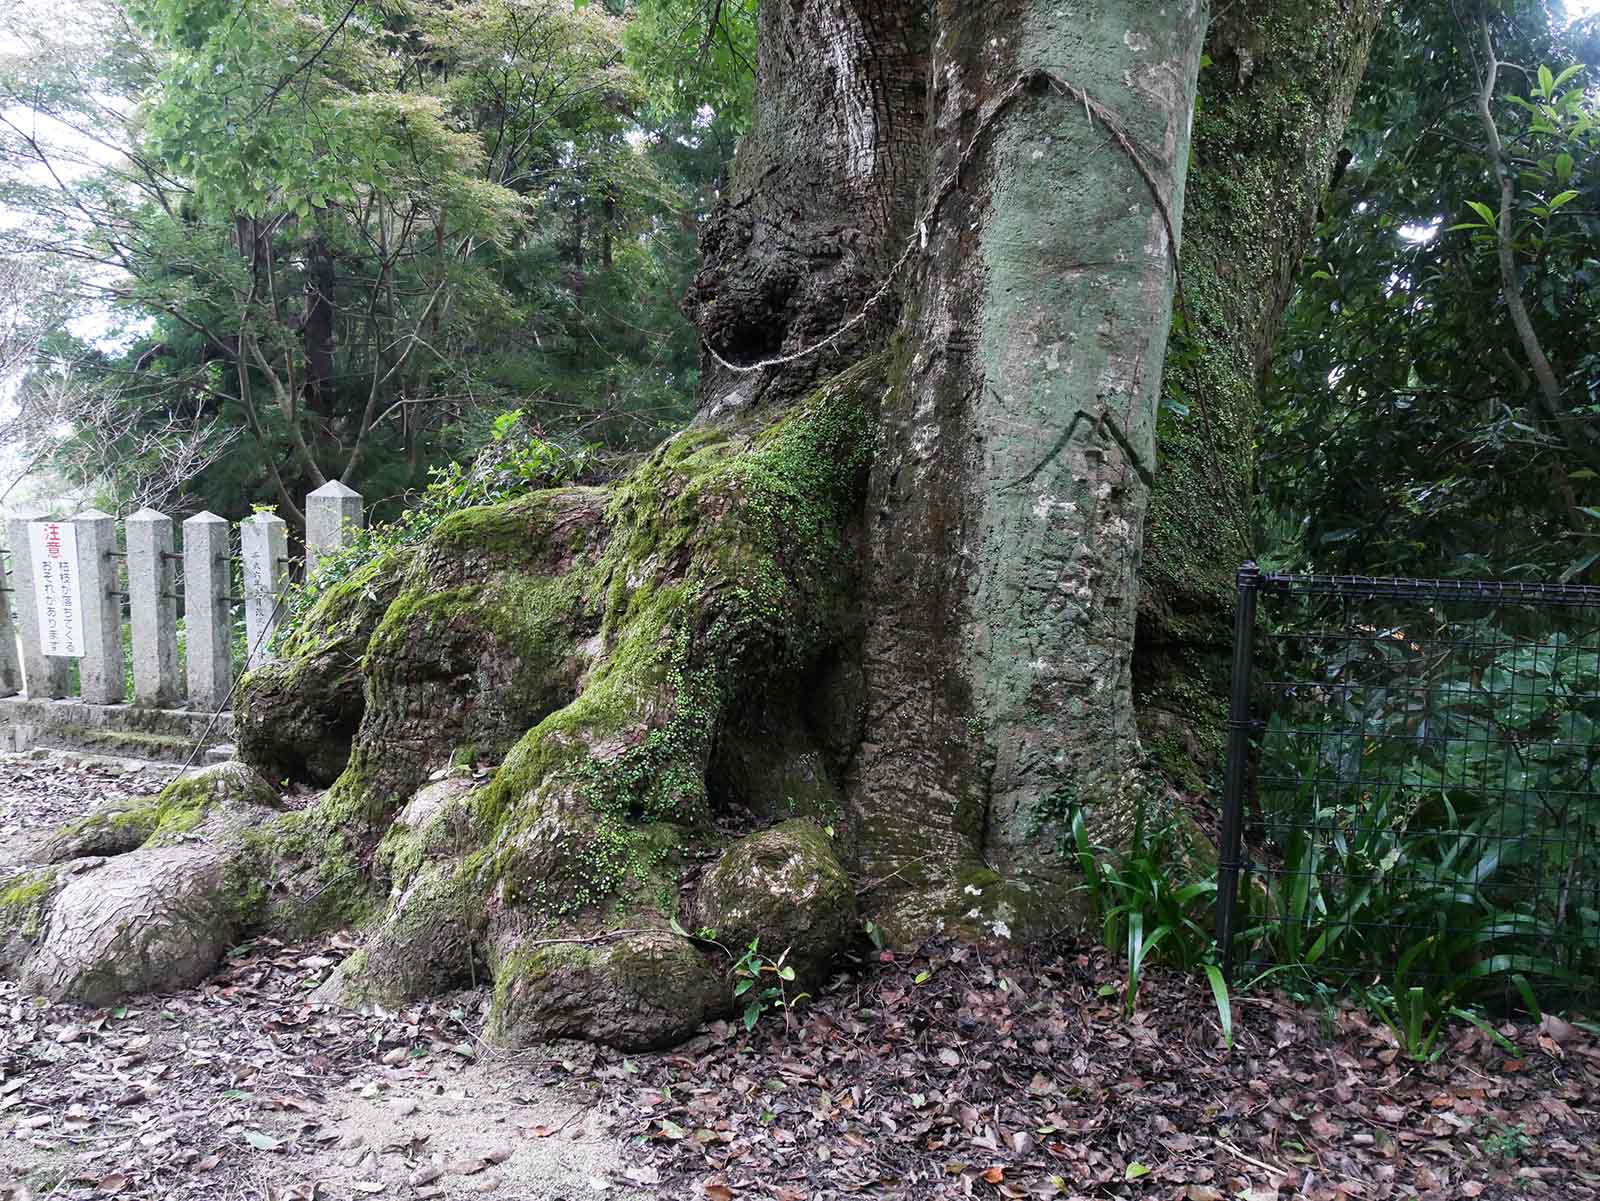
point(760, 982)
point(1146, 912)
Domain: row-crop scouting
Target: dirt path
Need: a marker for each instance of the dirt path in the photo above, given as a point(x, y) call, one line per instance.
point(243, 1089)
point(952, 1073)
point(41, 789)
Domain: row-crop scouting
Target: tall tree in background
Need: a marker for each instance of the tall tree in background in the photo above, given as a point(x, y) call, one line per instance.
point(888, 580)
point(356, 232)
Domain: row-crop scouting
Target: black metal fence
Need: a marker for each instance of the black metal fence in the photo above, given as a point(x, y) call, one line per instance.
point(1412, 795)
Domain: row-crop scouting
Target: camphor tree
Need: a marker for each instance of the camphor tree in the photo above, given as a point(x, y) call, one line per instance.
point(859, 638)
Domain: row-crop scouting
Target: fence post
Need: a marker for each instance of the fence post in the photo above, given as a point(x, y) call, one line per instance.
point(42, 675)
point(332, 511)
point(10, 668)
point(153, 607)
point(264, 546)
point(1231, 835)
point(101, 678)
point(207, 630)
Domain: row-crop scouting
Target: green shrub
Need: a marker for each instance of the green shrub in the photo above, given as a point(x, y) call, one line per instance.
point(513, 464)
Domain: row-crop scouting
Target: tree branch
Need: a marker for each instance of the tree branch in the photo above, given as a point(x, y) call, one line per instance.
point(1572, 430)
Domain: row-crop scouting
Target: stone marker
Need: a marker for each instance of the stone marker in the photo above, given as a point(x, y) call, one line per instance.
point(264, 547)
point(332, 511)
point(10, 665)
point(153, 607)
point(207, 625)
point(42, 675)
point(101, 678)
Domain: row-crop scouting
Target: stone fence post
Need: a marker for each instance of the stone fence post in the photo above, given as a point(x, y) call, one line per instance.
point(43, 675)
point(10, 666)
point(153, 608)
point(102, 670)
point(207, 624)
point(264, 546)
point(332, 511)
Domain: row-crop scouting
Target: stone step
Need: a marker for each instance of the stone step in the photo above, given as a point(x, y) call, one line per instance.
point(164, 735)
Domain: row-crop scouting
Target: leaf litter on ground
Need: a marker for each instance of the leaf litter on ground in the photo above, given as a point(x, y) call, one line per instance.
point(954, 1072)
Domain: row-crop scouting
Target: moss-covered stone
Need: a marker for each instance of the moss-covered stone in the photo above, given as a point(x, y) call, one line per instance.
point(595, 643)
point(155, 919)
point(785, 887)
point(637, 993)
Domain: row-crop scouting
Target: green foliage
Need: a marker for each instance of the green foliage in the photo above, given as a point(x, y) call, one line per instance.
point(760, 982)
point(348, 235)
point(1411, 843)
point(1507, 1143)
point(694, 54)
point(1405, 433)
point(1147, 911)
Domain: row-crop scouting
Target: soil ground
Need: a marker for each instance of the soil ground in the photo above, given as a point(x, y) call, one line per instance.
point(953, 1072)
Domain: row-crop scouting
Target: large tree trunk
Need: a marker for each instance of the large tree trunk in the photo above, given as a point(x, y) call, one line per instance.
point(864, 630)
point(1274, 105)
point(1015, 461)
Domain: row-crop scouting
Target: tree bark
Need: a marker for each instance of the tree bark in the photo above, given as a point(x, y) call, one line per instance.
point(1016, 455)
point(824, 188)
point(1275, 102)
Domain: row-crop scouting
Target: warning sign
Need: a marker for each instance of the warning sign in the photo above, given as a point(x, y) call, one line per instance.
point(55, 576)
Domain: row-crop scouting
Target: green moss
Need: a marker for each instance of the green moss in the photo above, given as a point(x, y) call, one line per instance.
point(513, 532)
point(720, 562)
point(344, 608)
point(185, 803)
point(329, 883)
point(977, 875)
point(146, 743)
point(23, 900)
point(1274, 106)
point(404, 849)
point(523, 968)
point(724, 565)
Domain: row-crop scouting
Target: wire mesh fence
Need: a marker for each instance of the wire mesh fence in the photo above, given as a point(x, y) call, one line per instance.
point(1413, 787)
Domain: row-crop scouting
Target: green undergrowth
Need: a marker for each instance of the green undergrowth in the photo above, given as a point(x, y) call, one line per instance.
point(1432, 878)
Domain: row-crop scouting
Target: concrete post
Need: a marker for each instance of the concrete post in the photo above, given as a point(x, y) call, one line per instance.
point(264, 547)
point(207, 628)
point(101, 679)
point(153, 606)
point(43, 676)
point(332, 511)
point(10, 665)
